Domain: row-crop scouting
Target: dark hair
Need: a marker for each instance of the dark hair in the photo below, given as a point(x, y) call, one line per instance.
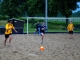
point(9, 21)
point(70, 21)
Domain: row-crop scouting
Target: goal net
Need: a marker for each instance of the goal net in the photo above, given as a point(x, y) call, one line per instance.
point(53, 24)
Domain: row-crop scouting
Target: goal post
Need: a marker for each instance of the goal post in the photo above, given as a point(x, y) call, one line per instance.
point(54, 24)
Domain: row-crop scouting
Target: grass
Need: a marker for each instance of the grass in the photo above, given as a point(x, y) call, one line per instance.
point(3, 22)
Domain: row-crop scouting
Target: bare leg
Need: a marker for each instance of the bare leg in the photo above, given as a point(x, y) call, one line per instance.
point(10, 38)
point(71, 36)
point(42, 40)
point(5, 41)
point(42, 36)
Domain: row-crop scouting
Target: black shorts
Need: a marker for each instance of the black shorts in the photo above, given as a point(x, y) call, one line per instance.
point(70, 32)
point(7, 35)
point(42, 31)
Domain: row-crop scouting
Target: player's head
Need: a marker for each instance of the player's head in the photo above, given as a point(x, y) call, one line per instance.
point(70, 21)
point(43, 23)
point(9, 21)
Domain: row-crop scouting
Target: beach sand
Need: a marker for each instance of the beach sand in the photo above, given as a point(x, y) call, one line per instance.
point(26, 47)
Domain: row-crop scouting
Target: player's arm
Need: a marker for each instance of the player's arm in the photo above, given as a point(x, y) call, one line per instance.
point(14, 29)
point(45, 28)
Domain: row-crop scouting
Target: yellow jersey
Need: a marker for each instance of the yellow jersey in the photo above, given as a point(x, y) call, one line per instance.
point(70, 27)
point(9, 28)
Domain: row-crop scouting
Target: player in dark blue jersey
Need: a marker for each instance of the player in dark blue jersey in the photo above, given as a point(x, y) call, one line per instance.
point(37, 28)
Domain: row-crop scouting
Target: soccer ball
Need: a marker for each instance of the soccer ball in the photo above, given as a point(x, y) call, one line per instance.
point(41, 48)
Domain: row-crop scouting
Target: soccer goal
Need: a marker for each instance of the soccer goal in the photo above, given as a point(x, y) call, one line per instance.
point(53, 24)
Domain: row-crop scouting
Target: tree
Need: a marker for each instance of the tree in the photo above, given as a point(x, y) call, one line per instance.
point(64, 7)
point(12, 8)
point(52, 8)
point(36, 7)
point(15, 8)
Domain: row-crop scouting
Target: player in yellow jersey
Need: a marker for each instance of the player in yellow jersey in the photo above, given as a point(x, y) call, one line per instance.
point(70, 28)
point(8, 31)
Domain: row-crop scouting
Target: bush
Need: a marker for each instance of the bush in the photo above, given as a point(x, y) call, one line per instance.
point(56, 25)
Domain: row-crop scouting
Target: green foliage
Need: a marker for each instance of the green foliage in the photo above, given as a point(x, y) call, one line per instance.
point(36, 7)
point(65, 7)
point(56, 25)
point(15, 8)
point(3, 22)
point(53, 8)
point(11, 8)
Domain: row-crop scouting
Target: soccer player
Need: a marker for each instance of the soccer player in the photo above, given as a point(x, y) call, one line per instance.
point(8, 32)
point(42, 31)
point(70, 28)
point(38, 27)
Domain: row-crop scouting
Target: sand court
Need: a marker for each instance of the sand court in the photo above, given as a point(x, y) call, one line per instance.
point(26, 47)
